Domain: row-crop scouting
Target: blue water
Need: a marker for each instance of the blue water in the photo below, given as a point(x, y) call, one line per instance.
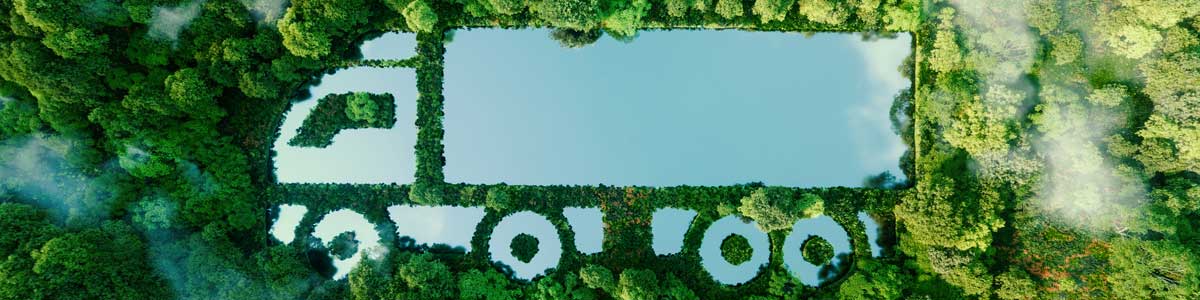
point(588, 225)
point(671, 108)
point(667, 226)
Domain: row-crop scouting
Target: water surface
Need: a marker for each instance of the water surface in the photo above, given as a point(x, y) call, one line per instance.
point(447, 225)
point(668, 226)
point(671, 108)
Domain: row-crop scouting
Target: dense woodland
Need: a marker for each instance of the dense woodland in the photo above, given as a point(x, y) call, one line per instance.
point(1054, 153)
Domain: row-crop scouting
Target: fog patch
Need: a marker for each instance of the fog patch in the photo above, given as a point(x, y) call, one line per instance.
point(36, 168)
point(1079, 184)
point(265, 11)
point(168, 22)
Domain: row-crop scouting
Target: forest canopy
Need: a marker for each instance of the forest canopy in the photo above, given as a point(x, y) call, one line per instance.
point(1053, 151)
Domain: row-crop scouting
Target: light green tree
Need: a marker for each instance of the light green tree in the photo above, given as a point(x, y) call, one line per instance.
point(824, 11)
point(730, 9)
point(946, 55)
point(420, 17)
point(1066, 48)
point(1133, 41)
point(626, 21)
point(1161, 269)
point(582, 15)
point(776, 208)
point(772, 10)
point(508, 7)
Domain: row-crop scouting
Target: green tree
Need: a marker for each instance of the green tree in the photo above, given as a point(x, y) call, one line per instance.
point(486, 285)
point(1067, 48)
point(1173, 84)
point(420, 276)
point(598, 277)
point(360, 107)
point(1015, 284)
point(420, 17)
point(567, 287)
point(902, 16)
point(308, 26)
point(508, 7)
point(1169, 147)
point(1133, 41)
point(946, 55)
point(582, 15)
point(938, 215)
point(366, 280)
point(524, 247)
point(730, 9)
point(637, 284)
point(1161, 269)
point(829, 12)
point(961, 269)
point(873, 280)
point(678, 8)
point(84, 265)
point(736, 249)
point(867, 11)
point(772, 10)
point(817, 250)
point(626, 21)
point(775, 208)
point(1162, 13)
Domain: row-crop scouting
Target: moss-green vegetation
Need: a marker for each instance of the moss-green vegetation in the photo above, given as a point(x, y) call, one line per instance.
point(338, 112)
point(1053, 153)
point(736, 249)
point(524, 247)
point(817, 250)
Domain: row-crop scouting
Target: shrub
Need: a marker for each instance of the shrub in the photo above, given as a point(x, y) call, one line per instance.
point(420, 17)
point(817, 250)
point(736, 249)
point(524, 247)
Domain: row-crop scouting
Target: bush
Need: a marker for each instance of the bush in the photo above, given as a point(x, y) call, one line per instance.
point(817, 250)
point(420, 17)
point(736, 249)
point(344, 245)
point(730, 9)
point(775, 208)
point(573, 14)
point(338, 112)
point(772, 10)
point(524, 247)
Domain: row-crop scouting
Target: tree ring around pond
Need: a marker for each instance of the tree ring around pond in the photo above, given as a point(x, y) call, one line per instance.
point(825, 228)
point(717, 266)
point(549, 251)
